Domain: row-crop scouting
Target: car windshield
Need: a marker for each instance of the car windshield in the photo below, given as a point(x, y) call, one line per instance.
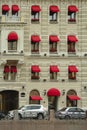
point(63, 109)
point(20, 107)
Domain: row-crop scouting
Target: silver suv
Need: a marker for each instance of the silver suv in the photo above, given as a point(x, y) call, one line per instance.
point(71, 113)
point(31, 111)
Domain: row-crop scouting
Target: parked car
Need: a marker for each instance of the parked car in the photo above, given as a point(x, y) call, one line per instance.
point(2, 115)
point(30, 111)
point(70, 113)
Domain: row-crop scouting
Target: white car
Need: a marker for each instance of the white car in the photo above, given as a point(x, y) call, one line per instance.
point(30, 111)
point(71, 113)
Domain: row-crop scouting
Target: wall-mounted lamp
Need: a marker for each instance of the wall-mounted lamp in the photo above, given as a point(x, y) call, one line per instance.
point(4, 51)
point(44, 80)
point(44, 92)
point(45, 54)
point(85, 87)
point(63, 92)
point(23, 87)
point(21, 51)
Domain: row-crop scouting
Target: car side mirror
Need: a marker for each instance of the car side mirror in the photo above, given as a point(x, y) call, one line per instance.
point(23, 109)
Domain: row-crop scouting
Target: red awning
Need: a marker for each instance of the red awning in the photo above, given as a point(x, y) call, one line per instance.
point(54, 68)
point(72, 8)
point(72, 68)
point(35, 97)
point(5, 8)
point(53, 92)
point(35, 38)
point(72, 38)
point(13, 69)
point(35, 8)
point(12, 36)
point(54, 38)
point(35, 68)
point(73, 97)
point(6, 69)
point(15, 8)
point(54, 8)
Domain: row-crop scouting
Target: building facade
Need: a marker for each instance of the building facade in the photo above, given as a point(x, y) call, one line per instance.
point(43, 53)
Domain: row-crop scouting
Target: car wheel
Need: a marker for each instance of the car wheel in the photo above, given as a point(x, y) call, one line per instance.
point(67, 117)
point(40, 116)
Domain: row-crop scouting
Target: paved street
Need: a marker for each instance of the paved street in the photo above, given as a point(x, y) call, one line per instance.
point(43, 125)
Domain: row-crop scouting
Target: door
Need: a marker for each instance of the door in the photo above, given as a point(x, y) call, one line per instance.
point(82, 113)
point(73, 113)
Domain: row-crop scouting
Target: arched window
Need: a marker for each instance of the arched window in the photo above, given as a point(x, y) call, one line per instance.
point(34, 97)
point(72, 98)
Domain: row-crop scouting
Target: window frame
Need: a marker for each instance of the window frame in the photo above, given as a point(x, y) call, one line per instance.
point(10, 76)
point(71, 47)
point(34, 47)
point(53, 75)
point(71, 17)
point(53, 47)
point(35, 16)
point(12, 45)
point(71, 75)
point(35, 76)
point(51, 16)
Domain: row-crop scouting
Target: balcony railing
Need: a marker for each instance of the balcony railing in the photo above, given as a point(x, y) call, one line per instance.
point(35, 77)
point(11, 19)
point(71, 20)
point(35, 51)
point(53, 50)
point(72, 77)
point(72, 52)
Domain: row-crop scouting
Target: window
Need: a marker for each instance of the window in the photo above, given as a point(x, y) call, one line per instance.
point(53, 41)
point(10, 72)
point(13, 72)
point(53, 75)
point(5, 10)
point(12, 41)
point(53, 16)
point(35, 13)
point(71, 48)
point(22, 94)
point(80, 110)
point(15, 10)
point(12, 45)
point(28, 108)
point(35, 107)
point(53, 13)
point(72, 17)
point(35, 47)
point(6, 76)
point(53, 47)
point(35, 75)
point(35, 44)
point(5, 13)
point(72, 72)
point(71, 44)
point(72, 13)
point(72, 110)
point(53, 72)
point(35, 72)
point(72, 75)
